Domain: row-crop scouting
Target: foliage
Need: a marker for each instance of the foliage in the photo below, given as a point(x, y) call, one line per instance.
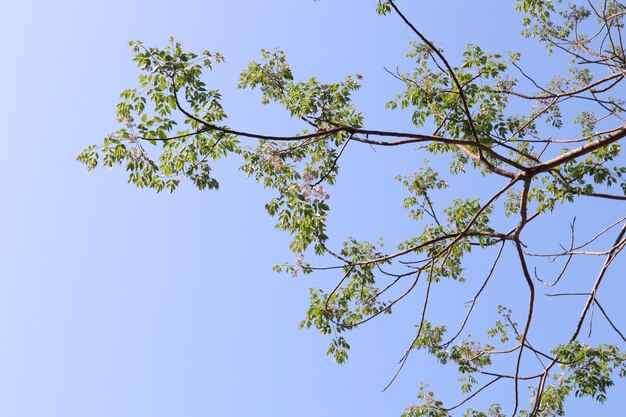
point(488, 117)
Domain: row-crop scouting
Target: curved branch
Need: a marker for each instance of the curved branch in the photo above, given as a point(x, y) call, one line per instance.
point(473, 302)
point(450, 70)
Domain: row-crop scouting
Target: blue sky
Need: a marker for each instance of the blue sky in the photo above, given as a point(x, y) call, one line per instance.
point(118, 302)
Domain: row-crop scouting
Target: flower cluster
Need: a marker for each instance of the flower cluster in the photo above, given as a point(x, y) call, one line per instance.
point(268, 155)
point(298, 261)
point(505, 84)
point(309, 175)
point(309, 191)
point(469, 351)
point(541, 105)
point(129, 121)
point(136, 153)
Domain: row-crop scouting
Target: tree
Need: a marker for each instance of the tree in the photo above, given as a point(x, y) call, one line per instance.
point(488, 119)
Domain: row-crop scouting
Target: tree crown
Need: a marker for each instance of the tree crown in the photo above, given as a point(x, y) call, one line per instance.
point(482, 114)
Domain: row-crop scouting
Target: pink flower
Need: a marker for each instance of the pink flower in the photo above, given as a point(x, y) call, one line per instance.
point(137, 154)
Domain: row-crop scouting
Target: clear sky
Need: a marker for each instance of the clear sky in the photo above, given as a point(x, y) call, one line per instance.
point(120, 303)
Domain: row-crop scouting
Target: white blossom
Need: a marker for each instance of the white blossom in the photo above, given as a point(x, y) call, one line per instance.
point(136, 153)
point(267, 154)
point(309, 191)
point(309, 175)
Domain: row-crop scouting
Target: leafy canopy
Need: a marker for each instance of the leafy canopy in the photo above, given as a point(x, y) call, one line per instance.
point(481, 113)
